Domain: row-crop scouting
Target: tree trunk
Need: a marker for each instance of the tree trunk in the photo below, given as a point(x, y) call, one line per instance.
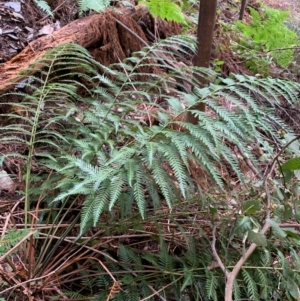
point(206, 24)
point(242, 11)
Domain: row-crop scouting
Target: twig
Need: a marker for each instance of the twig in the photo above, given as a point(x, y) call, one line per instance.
point(232, 275)
point(215, 253)
point(249, 163)
point(156, 292)
point(131, 32)
point(37, 278)
point(8, 217)
point(54, 10)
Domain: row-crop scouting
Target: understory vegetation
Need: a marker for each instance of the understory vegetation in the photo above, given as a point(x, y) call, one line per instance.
point(266, 39)
point(119, 198)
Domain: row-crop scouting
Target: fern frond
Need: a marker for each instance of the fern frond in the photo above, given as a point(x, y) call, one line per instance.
point(165, 9)
point(94, 206)
point(44, 6)
point(126, 255)
point(95, 5)
point(265, 257)
point(138, 192)
point(112, 152)
point(251, 286)
point(10, 239)
point(117, 183)
point(236, 290)
point(166, 261)
point(263, 282)
point(160, 175)
point(211, 285)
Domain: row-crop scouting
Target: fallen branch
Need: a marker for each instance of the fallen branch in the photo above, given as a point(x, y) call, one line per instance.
point(104, 29)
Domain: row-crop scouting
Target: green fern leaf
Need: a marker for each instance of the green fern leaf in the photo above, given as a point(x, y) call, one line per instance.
point(95, 5)
point(236, 290)
point(116, 186)
point(252, 291)
point(94, 206)
point(138, 192)
point(211, 285)
point(160, 176)
point(176, 164)
point(263, 282)
point(165, 9)
point(11, 238)
point(44, 6)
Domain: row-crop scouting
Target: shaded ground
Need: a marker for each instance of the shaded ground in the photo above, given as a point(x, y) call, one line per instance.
point(22, 22)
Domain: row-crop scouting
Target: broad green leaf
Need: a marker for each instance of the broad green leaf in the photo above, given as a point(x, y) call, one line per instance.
point(291, 233)
point(293, 289)
point(288, 211)
point(212, 210)
point(294, 146)
point(257, 238)
point(297, 216)
point(292, 164)
point(288, 175)
point(279, 193)
point(278, 232)
point(242, 226)
point(255, 224)
point(251, 206)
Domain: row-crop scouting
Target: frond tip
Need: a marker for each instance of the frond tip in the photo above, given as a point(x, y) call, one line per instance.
point(44, 6)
